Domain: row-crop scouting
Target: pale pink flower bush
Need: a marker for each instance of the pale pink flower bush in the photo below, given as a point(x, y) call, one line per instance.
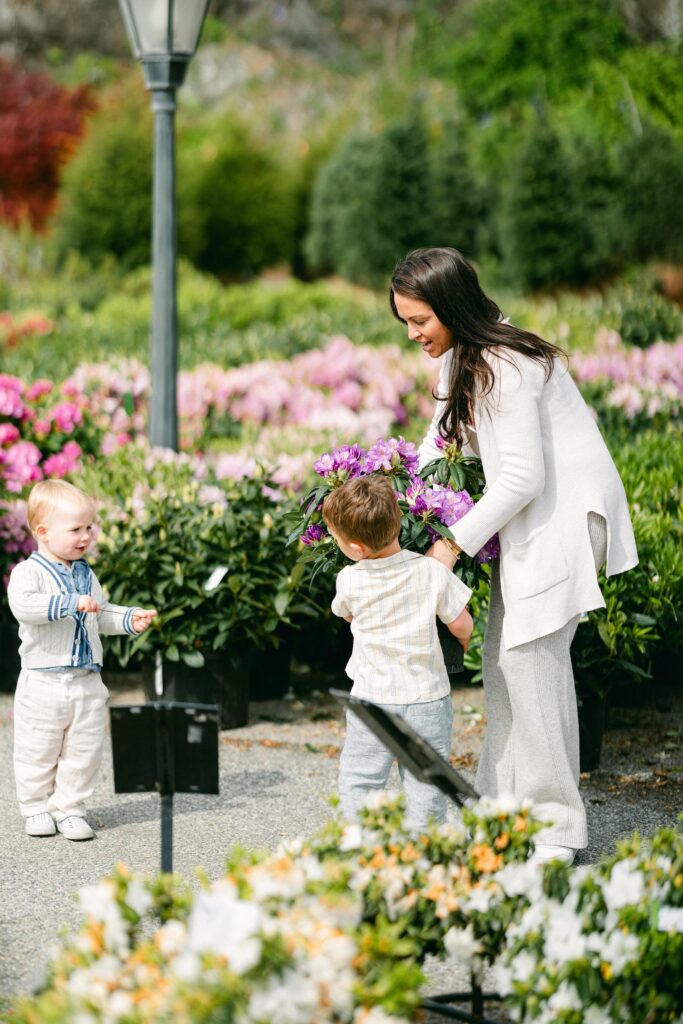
point(634, 380)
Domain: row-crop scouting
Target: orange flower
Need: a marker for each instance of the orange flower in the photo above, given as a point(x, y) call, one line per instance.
point(502, 842)
point(485, 859)
point(520, 824)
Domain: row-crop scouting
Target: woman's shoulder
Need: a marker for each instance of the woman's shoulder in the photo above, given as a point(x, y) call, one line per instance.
point(515, 369)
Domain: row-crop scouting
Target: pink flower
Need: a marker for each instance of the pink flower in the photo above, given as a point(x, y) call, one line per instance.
point(8, 433)
point(11, 404)
point(42, 427)
point(66, 416)
point(63, 462)
point(21, 465)
point(38, 389)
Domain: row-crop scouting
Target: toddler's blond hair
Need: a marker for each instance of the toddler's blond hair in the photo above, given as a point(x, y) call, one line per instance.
point(47, 495)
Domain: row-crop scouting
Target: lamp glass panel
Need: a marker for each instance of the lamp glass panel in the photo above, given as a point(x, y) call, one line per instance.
point(151, 20)
point(188, 18)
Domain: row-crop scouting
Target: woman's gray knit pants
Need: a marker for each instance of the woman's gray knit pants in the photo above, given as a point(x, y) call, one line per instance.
point(531, 747)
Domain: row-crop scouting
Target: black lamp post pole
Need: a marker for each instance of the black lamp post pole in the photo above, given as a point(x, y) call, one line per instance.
point(164, 409)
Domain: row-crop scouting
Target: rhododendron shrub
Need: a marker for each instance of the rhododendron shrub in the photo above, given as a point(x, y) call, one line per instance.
point(431, 500)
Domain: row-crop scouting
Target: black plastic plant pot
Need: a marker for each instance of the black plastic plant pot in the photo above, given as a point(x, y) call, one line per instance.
point(217, 682)
point(453, 653)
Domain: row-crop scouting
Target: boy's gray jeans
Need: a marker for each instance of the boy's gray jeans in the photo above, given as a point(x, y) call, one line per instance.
point(365, 763)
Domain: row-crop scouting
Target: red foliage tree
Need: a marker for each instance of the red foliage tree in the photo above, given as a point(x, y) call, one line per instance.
point(40, 125)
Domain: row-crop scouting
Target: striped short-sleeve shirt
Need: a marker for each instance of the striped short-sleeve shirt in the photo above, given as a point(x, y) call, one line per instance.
point(394, 603)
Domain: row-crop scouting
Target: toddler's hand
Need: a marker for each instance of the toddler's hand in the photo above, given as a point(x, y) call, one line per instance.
point(87, 604)
point(142, 618)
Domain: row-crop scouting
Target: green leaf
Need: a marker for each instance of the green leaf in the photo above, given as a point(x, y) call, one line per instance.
point(195, 659)
point(172, 653)
point(281, 602)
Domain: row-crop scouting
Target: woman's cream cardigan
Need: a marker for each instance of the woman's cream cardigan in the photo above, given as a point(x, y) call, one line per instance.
point(546, 467)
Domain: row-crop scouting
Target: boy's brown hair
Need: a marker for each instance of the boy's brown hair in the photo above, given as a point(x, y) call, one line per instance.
point(364, 509)
point(47, 495)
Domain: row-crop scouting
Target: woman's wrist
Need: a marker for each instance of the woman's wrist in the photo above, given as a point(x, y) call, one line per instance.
point(452, 547)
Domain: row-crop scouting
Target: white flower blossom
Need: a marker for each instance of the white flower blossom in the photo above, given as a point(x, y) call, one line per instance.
point(351, 838)
point(596, 1015)
point(461, 944)
point(138, 897)
point(564, 937)
point(521, 880)
point(523, 966)
point(171, 937)
point(222, 924)
point(625, 886)
point(565, 997)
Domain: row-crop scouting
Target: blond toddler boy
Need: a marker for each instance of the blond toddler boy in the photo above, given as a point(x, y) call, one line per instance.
point(59, 706)
point(392, 598)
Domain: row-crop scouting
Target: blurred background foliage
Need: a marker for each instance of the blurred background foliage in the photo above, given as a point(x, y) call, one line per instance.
point(544, 139)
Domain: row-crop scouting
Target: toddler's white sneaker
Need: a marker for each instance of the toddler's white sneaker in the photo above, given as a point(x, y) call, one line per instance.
point(42, 824)
point(75, 827)
point(544, 853)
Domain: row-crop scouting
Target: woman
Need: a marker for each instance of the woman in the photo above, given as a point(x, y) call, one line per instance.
point(555, 499)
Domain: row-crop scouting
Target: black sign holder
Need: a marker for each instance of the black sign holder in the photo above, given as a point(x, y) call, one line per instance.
point(165, 747)
point(422, 761)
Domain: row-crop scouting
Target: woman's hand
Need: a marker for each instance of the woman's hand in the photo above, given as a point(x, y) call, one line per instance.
point(440, 552)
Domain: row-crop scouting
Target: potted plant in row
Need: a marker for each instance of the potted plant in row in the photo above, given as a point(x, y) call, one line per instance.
point(213, 561)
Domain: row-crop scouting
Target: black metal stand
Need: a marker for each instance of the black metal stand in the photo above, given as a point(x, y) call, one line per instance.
point(167, 748)
point(167, 832)
point(476, 997)
point(422, 761)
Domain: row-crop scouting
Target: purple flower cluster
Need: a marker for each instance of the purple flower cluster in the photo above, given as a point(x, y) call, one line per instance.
point(437, 502)
point(342, 464)
point(391, 455)
point(314, 534)
point(490, 550)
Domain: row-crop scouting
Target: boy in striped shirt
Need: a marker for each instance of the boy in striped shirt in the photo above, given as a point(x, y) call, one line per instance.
point(60, 701)
point(392, 598)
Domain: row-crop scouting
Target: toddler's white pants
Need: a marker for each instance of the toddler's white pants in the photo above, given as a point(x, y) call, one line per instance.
point(59, 729)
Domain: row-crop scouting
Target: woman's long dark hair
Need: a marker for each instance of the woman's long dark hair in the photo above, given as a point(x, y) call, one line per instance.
point(448, 283)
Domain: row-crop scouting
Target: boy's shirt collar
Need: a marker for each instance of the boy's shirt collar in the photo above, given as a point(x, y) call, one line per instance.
point(377, 564)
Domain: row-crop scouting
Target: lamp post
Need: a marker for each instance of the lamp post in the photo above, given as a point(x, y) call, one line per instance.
point(164, 35)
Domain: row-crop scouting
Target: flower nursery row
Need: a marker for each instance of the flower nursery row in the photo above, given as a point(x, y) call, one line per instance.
point(281, 416)
point(337, 928)
point(281, 412)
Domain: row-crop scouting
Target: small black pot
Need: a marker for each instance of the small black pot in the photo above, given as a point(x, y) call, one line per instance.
point(269, 672)
point(9, 656)
point(217, 682)
point(592, 708)
point(453, 653)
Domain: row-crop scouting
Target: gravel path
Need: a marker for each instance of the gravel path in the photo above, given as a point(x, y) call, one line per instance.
point(275, 776)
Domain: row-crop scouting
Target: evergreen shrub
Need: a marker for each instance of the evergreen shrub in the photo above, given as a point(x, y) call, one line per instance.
point(373, 202)
point(236, 202)
point(651, 187)
point(541, 236)
point(105, 198)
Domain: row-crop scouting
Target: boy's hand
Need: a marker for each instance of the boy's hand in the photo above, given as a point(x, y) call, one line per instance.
point(142, 618)
point(440, 552)
point(462, 628)
point(87, 604)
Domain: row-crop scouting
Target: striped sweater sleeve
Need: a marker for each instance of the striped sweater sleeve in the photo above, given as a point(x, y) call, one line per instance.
point(32, 605)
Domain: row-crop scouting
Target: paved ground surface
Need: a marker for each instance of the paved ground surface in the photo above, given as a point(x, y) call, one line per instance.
point(276, 774)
